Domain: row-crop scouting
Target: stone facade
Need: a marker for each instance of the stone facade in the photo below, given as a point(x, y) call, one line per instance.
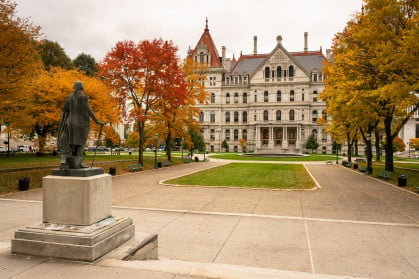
point(269, 100)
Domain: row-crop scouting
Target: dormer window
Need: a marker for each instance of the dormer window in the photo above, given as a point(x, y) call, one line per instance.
point(201, 58)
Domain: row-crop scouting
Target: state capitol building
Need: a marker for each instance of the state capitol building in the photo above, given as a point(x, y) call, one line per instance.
point(270, 101)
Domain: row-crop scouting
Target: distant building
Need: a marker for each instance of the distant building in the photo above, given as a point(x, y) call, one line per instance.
point(270, 101)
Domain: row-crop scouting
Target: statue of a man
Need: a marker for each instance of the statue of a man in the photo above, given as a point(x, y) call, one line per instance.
point(74, 128)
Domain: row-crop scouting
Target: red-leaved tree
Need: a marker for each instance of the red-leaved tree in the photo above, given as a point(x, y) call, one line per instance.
point(144, 76)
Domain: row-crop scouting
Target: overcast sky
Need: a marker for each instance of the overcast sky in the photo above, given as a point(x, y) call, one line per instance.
point(94, 26)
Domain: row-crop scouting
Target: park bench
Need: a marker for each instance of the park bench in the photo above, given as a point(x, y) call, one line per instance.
point(166, 164)
point(416, 188)
point(363, 169)
point(187, 160)
point(360, 160)
point(135, 167)
point(385, 175)
point(329, 163)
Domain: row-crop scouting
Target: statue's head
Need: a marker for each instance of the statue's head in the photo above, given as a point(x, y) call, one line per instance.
point(78, 86)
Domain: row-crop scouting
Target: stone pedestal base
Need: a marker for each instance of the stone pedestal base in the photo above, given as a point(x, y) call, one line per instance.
point(76, 200)
point(80, 243)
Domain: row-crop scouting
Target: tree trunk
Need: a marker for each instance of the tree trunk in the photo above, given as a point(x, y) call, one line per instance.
point(168, 148)
point(369, 155)
point(356, 148)
point(377, 145)
point(42, 135)
point(348, 139)
point(389, 145)
point(141, 141)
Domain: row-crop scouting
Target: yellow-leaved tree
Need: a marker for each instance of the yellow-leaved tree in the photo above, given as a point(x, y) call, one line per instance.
point(41, 107)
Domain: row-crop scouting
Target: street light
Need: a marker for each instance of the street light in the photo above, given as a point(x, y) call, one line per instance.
point(156, 137)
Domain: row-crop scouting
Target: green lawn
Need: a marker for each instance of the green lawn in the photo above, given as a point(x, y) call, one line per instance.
point(238, 156)
point(39, 167)
point(253, 175)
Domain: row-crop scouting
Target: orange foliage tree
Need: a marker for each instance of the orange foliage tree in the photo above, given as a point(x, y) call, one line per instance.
point(145, 76)
point(177, 112)
point(19, 59)
point(41, 108)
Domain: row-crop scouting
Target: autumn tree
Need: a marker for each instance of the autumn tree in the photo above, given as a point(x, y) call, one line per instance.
point(414, 143)
point(111, 137)
point(19, 60)
point(41, 109)
point(177, 112)
point(140, 74)
point(374, 63)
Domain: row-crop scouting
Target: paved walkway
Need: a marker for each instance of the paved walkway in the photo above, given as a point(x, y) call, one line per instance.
point(353, 226)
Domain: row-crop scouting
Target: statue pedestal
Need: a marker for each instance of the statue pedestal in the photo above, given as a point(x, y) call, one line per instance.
point(77, 223)
point(76, 200)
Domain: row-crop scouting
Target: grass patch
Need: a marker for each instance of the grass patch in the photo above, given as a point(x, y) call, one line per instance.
point(252, 175)
point(238, 156)
point(9, 180)
point(409, 170)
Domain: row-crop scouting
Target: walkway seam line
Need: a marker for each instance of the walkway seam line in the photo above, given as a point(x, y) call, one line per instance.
point(225, 241)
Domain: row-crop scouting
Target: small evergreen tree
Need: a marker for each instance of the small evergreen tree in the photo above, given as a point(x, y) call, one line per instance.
point(311, 143)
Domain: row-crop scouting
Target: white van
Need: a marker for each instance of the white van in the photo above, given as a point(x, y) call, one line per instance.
point(24, 148)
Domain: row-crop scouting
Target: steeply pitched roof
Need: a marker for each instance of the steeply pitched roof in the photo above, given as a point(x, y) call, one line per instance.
point(207, 41)
point(248, 63)
point(310, 60)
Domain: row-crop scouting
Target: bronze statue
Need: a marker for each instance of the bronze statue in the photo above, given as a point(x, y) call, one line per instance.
point(74, 128)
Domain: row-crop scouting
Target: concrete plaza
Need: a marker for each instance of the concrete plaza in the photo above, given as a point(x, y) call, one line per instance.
point(353, 226)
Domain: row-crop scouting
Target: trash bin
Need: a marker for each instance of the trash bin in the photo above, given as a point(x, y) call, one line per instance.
point(401, 181)
point(23, 184)
point(196, 159)
point(355, 166)
point(159, 164)
point(112, 170)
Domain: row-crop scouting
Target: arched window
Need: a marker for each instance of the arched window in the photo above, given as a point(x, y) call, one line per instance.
point(227, 98)
point(267, 73)
point(292, 115)
point(227, 134)
point(236, 98)
point(244, 98)
point(324, 114)
point(201, 58)
point(236, 116)
point(212, 98)
point(314, 115)
point(244, 134)
point(244, 116)
point(278, 96)
point(278, 72)
point(266, 96)
point(212, 117)
point(324, 136)
point(212, 135)
point(278, 115)
point(291, 72)
point(265, 115)
point(201, 116)
point(314, 133)
point(292, 96)
point(236, 134)
point(227, 117)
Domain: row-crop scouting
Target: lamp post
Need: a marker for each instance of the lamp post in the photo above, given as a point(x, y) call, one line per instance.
point(156, 136)
point(369, 162)
point(337, 153)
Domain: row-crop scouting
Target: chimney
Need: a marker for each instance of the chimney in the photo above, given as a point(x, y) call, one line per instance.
point(305, 42)
point(328, 54)
point(223, 52)
point(255, 45)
